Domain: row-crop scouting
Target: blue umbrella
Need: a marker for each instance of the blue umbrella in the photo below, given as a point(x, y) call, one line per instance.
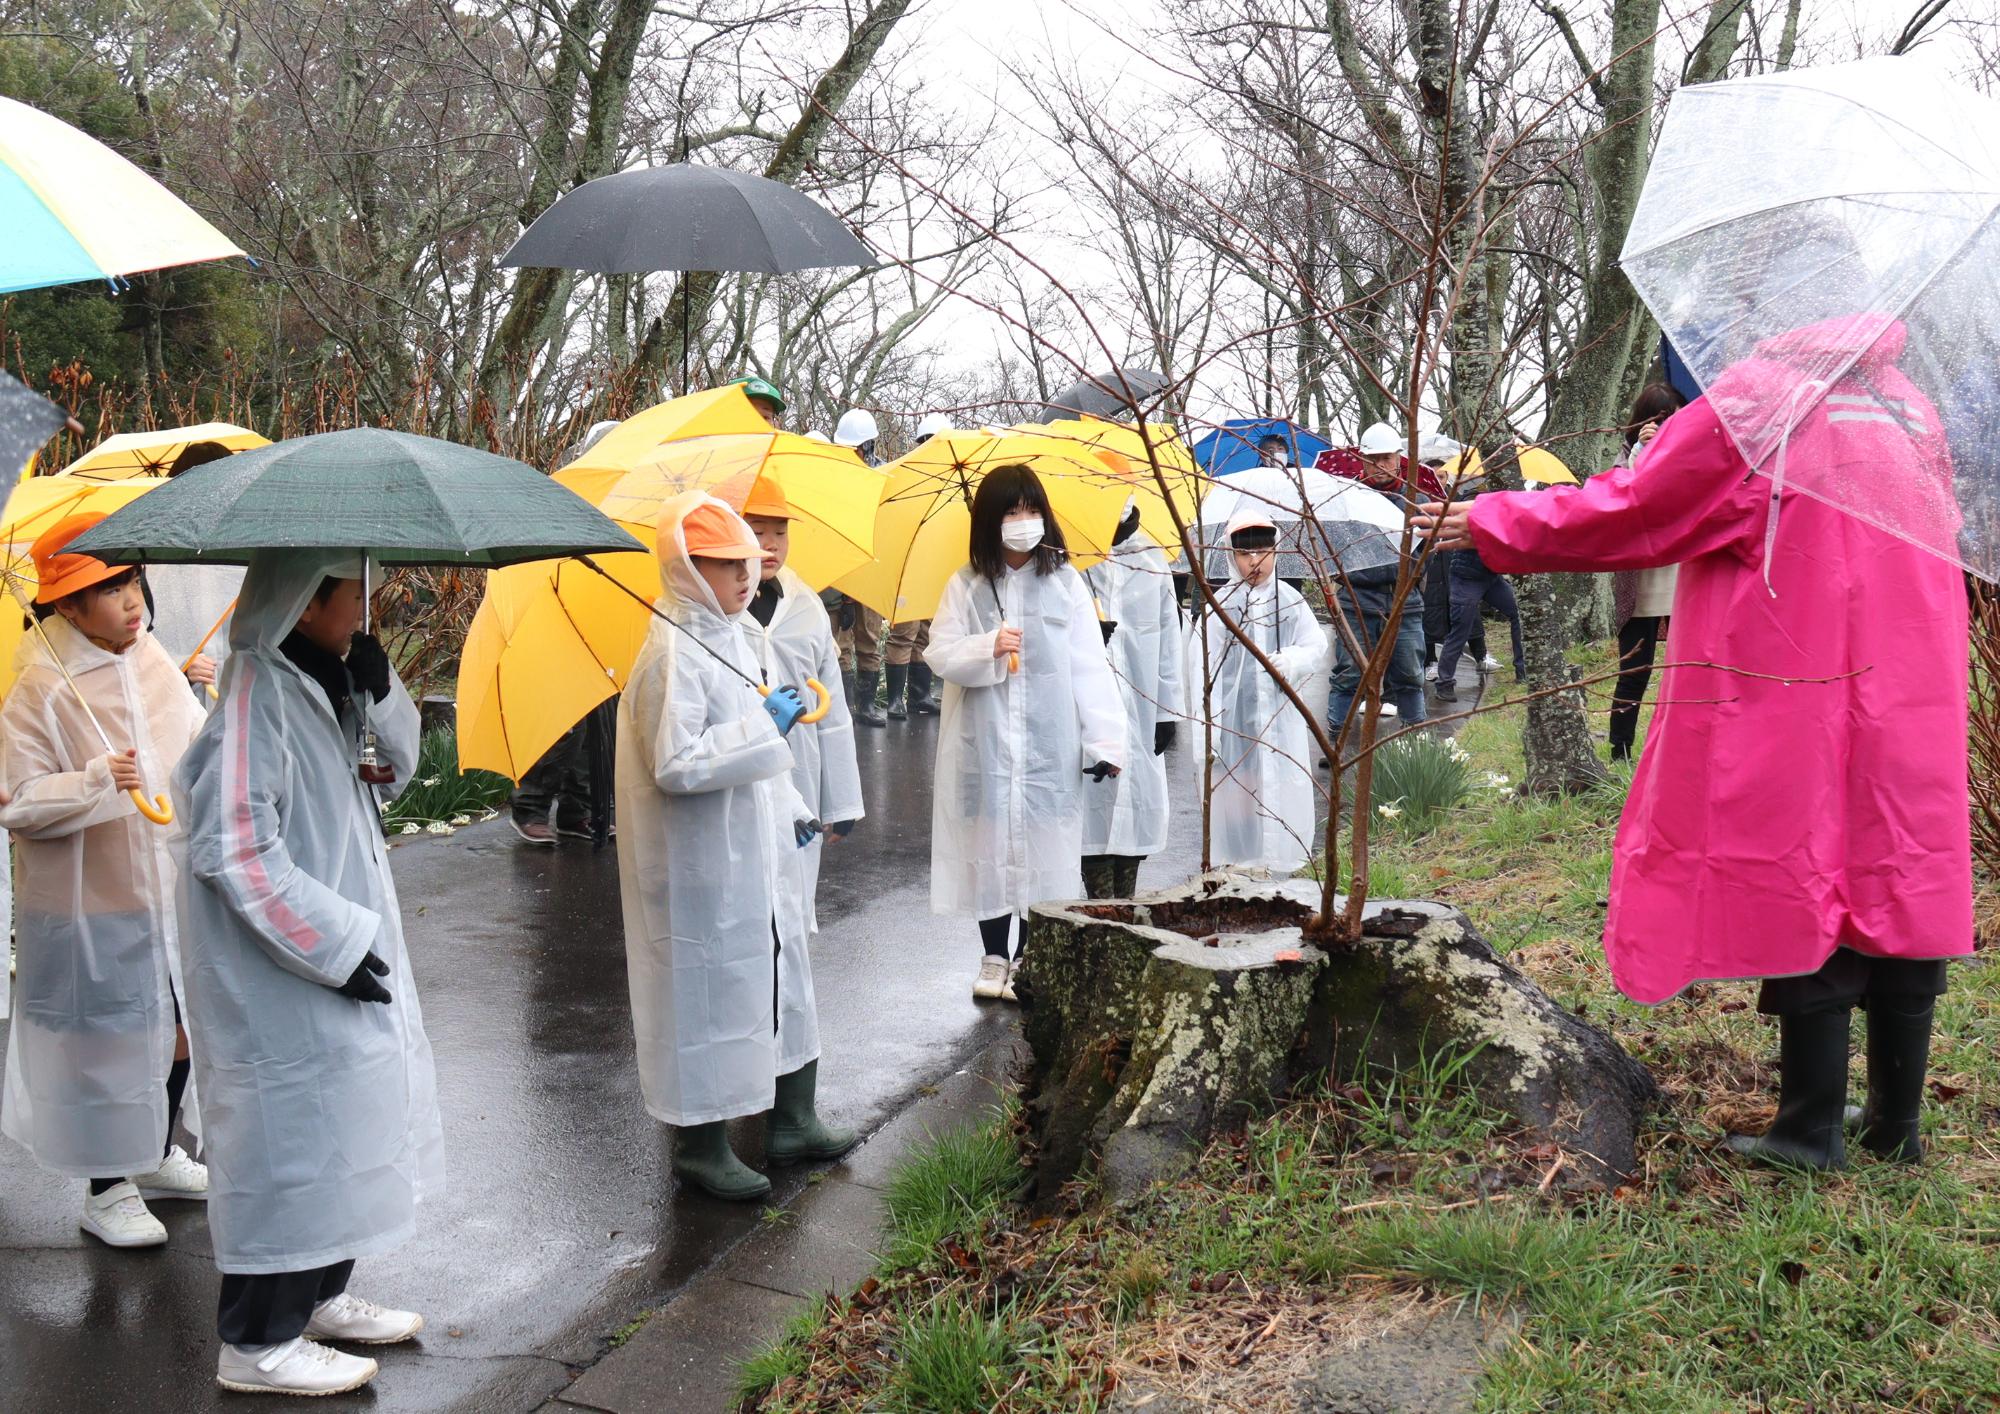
point(1233, 445)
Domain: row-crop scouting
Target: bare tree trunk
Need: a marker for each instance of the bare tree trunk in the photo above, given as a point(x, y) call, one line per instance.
point(1588, 401)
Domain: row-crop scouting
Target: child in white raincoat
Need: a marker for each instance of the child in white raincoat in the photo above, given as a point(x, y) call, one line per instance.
point(1030, 709)
point(715, 912)
point(96, 1060)
point(789, 627)
point(1265, 802)
point(1125, 817)
point(319, 1094)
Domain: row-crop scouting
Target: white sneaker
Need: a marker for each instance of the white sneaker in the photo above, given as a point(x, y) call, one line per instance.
point(117, 1217)
point(178, 1176)
point(348, 1317)
point(1489, 664)
point(991, 984)
point(295, 1367)
point(1430, 672)
point(1007, 987)
point(1389, 709)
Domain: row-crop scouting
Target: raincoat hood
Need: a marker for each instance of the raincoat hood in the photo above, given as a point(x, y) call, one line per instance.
point(278, 587)
point(681, 583)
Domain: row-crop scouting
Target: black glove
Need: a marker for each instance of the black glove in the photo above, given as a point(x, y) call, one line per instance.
point(1107, 627)
point(850, 614)
point(368, 665)
point(840, 829)
point(1100, 771)
point(1163, 737)
point(362, 986)
point(804, 830)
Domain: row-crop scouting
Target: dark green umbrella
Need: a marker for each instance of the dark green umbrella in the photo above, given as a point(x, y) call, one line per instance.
point(407, 500)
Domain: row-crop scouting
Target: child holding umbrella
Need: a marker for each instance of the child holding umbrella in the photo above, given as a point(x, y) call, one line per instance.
point(97, 1061)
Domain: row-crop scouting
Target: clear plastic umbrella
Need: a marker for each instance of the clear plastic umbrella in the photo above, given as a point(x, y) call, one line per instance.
point(1325, 523)
point(1821, 244)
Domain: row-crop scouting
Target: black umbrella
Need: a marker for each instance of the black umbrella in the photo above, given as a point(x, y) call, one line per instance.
point(27, 420)
point(1111, 395)
point(683, 217)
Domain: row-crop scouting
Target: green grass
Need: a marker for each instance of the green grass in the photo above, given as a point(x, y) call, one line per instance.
point(1415, 780)
point(946, 1189)
point(442, 798)
point(1704, 1286)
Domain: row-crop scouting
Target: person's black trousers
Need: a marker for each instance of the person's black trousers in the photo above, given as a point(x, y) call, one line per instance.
point(1638, 641)
point(564, 770)
point(1437, 611)
point(1847, 980)
point(274, 1307)
point(1468, 596)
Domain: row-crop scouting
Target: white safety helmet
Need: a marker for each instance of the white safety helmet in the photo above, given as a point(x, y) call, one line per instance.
point(1380, 438)
point(856, 428)
point(933, 423)
point(816, 435)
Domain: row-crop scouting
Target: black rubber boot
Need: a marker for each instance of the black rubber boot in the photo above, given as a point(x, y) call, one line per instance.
point(1899, 1052)
point(923, 698)
point(796, 1134)
point(1812, 1095)
point(703, 1157)
point(865, 710)
point(899, 681)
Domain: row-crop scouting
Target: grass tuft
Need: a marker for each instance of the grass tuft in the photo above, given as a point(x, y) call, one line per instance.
point(946, 1189)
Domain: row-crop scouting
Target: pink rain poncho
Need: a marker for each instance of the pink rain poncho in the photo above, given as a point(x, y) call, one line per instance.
point(1821, 803)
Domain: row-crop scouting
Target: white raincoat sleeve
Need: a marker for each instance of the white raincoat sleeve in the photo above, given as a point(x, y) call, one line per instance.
point(959, 654)
point(236, 846)
point(399, 735)
point(1100, 710)
point(1303, 637)
point(692, 755)
point(49, 802)
point(839, 770)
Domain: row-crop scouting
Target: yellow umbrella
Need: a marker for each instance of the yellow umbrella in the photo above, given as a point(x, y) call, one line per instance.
point(553, 639)
point(1136, 451)
point(833, 493)
point(550, 640)
point(1538, 466)
point(923, 528)
point(152, 453)
point(714, 412)
point(33, 507)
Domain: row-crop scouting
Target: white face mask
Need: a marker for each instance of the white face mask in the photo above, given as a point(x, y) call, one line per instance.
point(1022, 535)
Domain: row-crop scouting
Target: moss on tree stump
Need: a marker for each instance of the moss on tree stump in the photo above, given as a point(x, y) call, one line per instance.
point(1156, 1023)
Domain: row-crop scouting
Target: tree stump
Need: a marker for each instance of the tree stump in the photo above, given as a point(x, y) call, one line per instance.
point(1156, 1023)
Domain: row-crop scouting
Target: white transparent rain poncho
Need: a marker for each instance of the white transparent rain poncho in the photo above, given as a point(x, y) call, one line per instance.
point(1264, 808)
point(715, 918)
point(1127, 814)
point(1007, 796)
point(1829, 236)
point(93, 1033)
point(321, 1113)
point(796, 645)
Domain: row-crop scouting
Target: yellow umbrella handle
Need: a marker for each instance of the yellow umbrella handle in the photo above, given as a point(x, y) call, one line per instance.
point(159, 809)
point(1013, 662)
point(819, 690)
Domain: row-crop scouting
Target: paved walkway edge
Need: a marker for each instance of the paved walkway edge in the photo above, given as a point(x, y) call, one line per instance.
point(683, 1359)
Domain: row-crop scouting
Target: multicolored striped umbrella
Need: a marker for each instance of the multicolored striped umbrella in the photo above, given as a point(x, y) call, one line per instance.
point(75, 210)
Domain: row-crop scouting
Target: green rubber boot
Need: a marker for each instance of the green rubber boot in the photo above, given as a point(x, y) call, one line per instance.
point(703, 1157)
point(796, 1135)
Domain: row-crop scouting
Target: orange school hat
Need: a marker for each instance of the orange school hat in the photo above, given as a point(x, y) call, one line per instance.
point(766, 498)
point(714, 532)
point(58, 574)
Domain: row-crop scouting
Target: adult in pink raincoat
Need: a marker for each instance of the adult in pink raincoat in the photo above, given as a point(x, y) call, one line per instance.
point(1804, 818)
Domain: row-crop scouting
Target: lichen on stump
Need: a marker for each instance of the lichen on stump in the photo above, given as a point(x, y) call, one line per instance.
point(1157, 1023)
